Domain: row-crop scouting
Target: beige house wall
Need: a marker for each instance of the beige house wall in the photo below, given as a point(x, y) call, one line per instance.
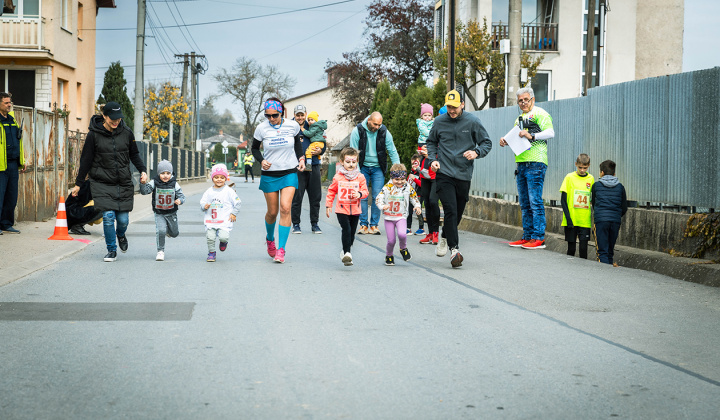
point(66, 54)
point(659, 38)
point(323, 102)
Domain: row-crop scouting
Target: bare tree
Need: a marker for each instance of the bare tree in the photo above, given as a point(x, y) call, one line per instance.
point(249, 84)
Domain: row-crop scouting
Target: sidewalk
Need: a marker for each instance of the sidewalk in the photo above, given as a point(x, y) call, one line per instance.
point(31, 251)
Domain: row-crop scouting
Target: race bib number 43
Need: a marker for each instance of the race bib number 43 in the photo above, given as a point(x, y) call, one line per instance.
point(164, 199)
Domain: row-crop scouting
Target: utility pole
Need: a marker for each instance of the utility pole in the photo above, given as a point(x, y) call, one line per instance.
point(589, 47)
point(139, 67)
point(451, 46)
point(194, 132)
point(183, 93)
point(515, 29)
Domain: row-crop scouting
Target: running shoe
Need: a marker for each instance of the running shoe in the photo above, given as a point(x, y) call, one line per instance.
point(363, 230)
point(374, 230)
point(405, 254)
point(296, 229)
point(408, 232)
point(110, 257)
point(11, 230)
point(160, 256)
point(389, 260)
point(123, 243)
point(271, 250)
point(520, 243)
point(534, 244)
point(223, 246)
point(427, 239)
point(211, 257)
point(347, 259)
point(316, 229)
point(420, 232)
point(280, 256)
point(456, 258)
point(436, 238)
point(441, 248)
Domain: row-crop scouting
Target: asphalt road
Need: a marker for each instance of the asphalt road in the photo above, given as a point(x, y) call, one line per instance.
point(512, 334)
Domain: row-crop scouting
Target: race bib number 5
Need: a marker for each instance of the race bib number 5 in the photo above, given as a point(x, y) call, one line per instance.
point(212, 216)
point(165, 199)
point(581, 199)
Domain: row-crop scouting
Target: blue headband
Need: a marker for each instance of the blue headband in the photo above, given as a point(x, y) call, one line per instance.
point(277, 106)
point(398, 174)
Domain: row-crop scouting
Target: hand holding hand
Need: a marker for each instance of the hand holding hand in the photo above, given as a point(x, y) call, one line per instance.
point(143, 178)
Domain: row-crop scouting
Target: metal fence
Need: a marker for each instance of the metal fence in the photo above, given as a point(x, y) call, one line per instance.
point(186, 163)
point(663, 133)
point(45, 177)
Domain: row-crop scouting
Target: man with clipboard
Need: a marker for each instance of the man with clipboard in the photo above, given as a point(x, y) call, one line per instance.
point(535, 126)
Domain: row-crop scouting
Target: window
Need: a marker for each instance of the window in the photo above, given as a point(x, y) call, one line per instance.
point(21, 84)
point(79, 101)
point(80, 20)
point(64, 18)
point(542, 86)
point(62, 93)
point(440, 23)
point(26, 9)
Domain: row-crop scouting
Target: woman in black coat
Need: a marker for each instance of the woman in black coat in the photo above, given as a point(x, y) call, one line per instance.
point(109, 149)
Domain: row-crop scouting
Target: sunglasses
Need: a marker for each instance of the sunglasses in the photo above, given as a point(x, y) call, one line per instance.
point(268, 116)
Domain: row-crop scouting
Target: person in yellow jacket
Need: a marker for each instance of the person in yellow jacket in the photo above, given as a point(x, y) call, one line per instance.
point(248, 161)
point(12, 161)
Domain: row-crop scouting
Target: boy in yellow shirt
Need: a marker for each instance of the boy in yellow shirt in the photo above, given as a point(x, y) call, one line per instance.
point(575, 199)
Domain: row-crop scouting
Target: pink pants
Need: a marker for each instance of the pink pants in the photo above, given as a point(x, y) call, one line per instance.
point(390, 227)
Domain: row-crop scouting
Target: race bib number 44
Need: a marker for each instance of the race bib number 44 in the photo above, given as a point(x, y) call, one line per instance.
point(581, 199)
point(164, 199)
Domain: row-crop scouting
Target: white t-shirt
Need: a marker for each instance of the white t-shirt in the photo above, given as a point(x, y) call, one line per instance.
point(278, 144)
point(223, 202)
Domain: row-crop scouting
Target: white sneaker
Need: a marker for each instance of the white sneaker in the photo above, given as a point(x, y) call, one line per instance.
point(347, 259)
point(160, 256)
point(441, 248)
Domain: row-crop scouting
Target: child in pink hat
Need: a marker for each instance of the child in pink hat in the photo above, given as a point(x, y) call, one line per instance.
point(221, 206)
point(424, 123)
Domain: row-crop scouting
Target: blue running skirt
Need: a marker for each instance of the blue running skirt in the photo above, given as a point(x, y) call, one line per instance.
point(270, 184)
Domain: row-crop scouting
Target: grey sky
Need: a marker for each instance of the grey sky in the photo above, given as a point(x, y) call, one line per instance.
point(299, 43)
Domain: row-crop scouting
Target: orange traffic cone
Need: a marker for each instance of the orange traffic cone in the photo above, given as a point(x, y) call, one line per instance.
point(61, 227)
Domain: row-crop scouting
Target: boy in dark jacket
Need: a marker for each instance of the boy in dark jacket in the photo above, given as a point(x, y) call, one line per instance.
point(166, 197)
point(609, 205)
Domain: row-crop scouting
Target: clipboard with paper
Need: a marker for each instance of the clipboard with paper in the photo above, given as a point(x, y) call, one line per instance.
point(517, 144)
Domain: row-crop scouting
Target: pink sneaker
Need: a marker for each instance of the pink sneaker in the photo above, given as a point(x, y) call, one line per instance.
point(280, 256)
point(271, 248)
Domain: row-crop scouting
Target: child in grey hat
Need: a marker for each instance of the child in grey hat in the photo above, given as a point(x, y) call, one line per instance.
point(166, 197)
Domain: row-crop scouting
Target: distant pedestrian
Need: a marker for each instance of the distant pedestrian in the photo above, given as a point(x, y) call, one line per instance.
point(221, 206)
point(109, 149)
point(610, 204)
point(282, 159)
point(310, 179)
point(575, 200)
point(249, 160)
point(456, 140)
point(375, 144)
point(166, 197)
point(535, 125)
point(12, 162)
point(349, 186)
point(395, 199)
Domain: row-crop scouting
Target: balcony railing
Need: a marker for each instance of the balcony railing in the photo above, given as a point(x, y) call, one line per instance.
point(21, 33)
point(533, 36)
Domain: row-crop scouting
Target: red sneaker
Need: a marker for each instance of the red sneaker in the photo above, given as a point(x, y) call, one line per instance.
point(427, 239)
point(518, 244)
point(271, 250)
point(534, 244)
point(436, 236)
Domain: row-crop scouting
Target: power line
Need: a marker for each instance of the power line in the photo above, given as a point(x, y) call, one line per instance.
point(229, 20)
point(186, 29)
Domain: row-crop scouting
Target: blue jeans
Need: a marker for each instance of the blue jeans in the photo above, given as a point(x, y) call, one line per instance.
point(109, 217)
point(9, 179)
point(606, 233)
point(375, 179)
point(530, 180)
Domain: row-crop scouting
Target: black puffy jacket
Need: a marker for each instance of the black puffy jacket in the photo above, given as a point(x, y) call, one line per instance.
point(106, 158)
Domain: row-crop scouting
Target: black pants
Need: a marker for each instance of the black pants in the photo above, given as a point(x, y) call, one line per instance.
point(432, 208)
point(348, 224)
point(453, 195)
point(248, 169)
point(310, 182)
point(411, 211)
point(581, 233)
point(9, 181)
point(606, 233)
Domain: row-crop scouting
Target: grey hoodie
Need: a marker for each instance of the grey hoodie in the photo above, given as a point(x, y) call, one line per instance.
point(451, 137)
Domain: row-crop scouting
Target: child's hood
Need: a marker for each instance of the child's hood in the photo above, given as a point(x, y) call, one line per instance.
point(322, 124)
point(609, 181)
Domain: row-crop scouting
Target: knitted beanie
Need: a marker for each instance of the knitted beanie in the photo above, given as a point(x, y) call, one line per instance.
point(219, 169)
point(164, 166)
point(426, 108)
point(314, 115)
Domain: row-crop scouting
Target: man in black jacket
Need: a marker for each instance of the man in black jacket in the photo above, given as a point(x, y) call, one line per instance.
point(109, 149)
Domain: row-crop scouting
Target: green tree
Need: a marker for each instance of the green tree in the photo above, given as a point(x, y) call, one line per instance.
point(382, 94)
point(403, 126)
point(220, 157)
point(114, 90)
point(439, 92)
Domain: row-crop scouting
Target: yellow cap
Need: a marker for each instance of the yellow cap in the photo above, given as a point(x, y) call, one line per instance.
point(453, 98)
point(314, 115)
